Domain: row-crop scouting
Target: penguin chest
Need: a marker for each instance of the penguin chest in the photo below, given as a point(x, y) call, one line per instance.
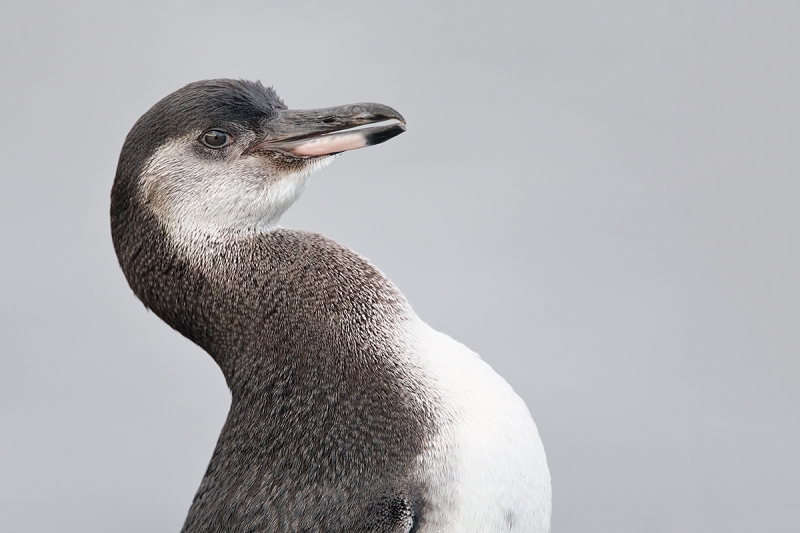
point(484, 467)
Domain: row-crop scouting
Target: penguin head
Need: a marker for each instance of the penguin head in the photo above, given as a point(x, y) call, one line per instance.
point(224, 157)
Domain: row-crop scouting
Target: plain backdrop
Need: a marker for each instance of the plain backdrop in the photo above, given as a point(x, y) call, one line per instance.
point(601, 198)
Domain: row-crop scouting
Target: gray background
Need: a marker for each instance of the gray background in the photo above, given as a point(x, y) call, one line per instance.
point(601, 198)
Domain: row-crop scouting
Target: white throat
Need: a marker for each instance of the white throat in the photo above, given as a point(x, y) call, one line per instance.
point(200, 199)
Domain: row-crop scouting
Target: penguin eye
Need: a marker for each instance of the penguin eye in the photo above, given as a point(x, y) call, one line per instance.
point(214, 138)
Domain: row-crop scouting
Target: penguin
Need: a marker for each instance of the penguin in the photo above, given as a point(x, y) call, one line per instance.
point(348, 412)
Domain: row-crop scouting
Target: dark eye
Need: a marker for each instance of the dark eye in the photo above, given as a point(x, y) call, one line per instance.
point(215, 138)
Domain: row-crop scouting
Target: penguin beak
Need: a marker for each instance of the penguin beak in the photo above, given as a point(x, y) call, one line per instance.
point(318, 132)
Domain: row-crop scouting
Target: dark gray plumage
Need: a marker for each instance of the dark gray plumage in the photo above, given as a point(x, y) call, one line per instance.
point(344, 415)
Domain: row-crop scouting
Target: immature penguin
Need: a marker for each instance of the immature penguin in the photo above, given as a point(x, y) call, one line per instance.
point(349, 414)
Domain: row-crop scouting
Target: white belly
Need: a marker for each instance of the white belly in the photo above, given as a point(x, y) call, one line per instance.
point(485, 469)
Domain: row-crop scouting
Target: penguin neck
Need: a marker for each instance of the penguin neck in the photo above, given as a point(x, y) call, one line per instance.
point(268, 302)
